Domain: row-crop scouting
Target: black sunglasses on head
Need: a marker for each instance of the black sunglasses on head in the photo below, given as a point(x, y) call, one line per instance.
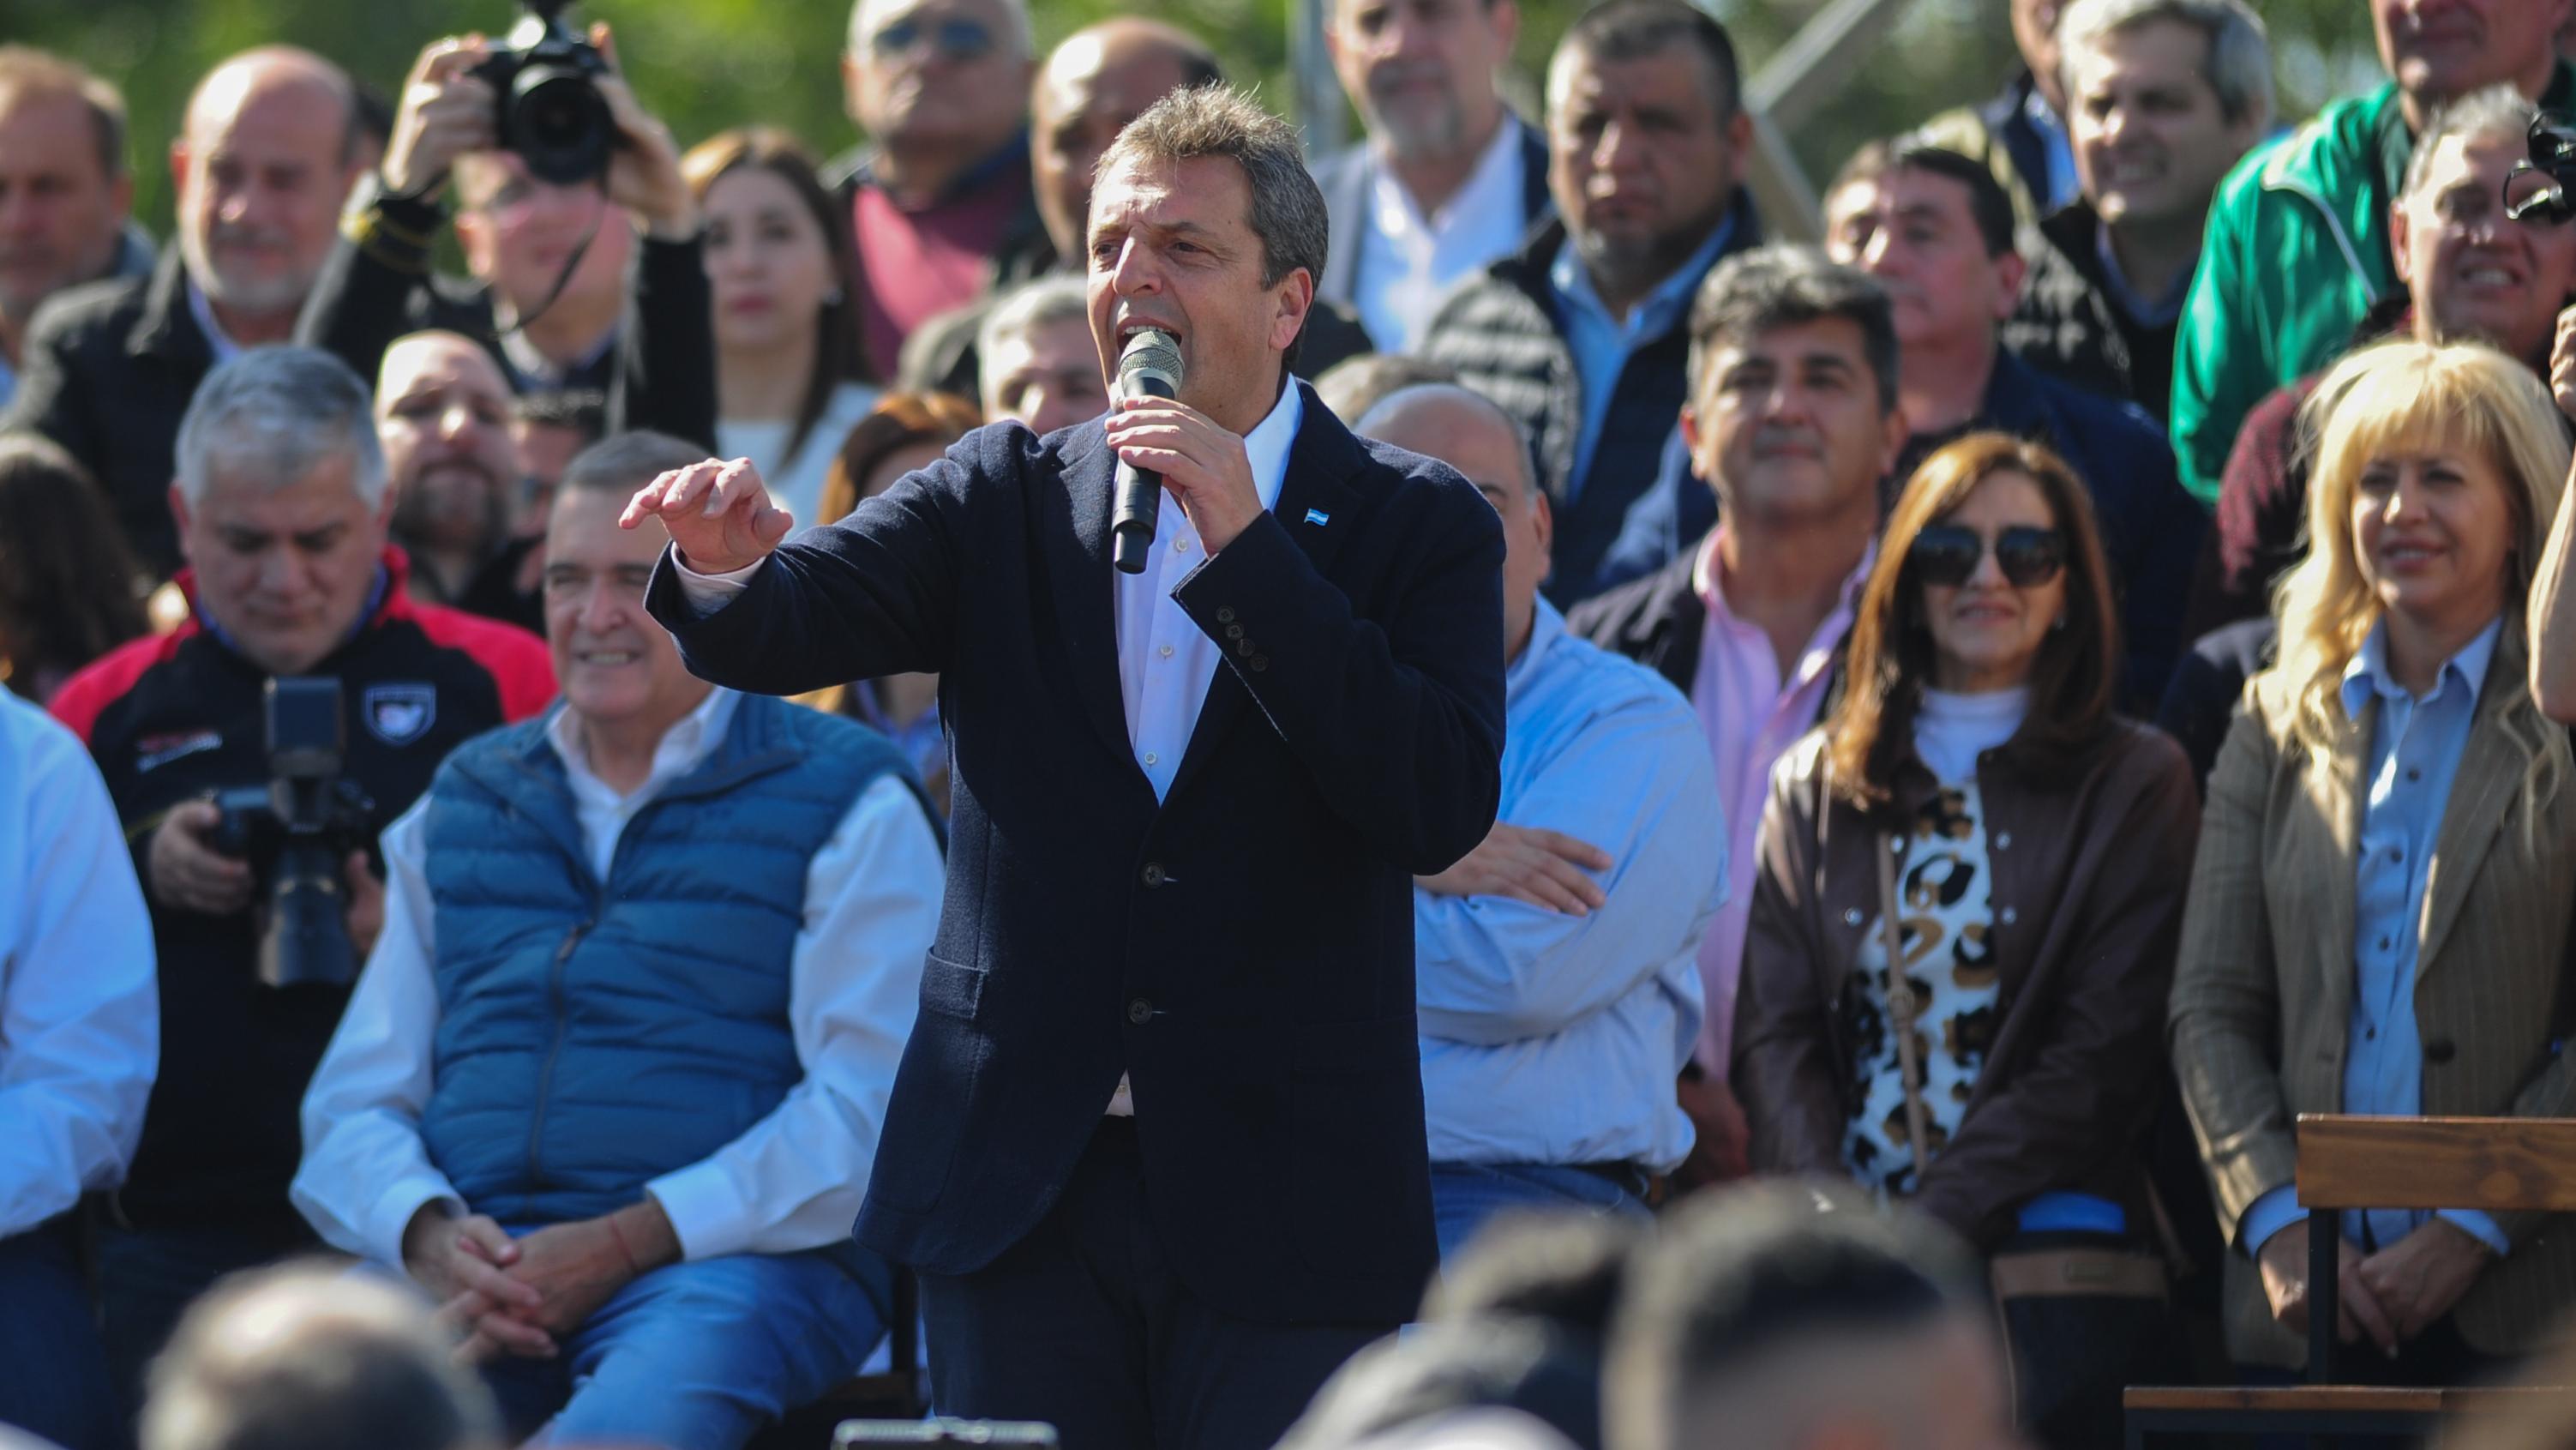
point(955, 38)
point(1948, 554)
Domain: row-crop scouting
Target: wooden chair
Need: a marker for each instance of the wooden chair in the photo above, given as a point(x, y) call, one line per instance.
point(2498, 1165)
point(899, 1392)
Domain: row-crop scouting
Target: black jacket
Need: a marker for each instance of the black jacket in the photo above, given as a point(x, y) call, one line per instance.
point(107, 372)
point(170, 718)
point(1504, 334)
point(1242, 950)
point(2068, 325)
point(1348, 178)
point(659, 372)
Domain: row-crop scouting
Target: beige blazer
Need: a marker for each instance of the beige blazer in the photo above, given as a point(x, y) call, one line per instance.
point(2262, 994)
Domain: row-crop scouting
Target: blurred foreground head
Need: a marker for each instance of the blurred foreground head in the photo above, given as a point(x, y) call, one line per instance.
point(1799, 1316)
point(313, 1357)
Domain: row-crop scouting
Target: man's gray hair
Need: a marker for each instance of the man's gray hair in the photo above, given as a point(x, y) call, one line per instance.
point(2239, 66)
point(1391, 409)
point(2497, 112)
point(1767, 288)
point(272, 414)
point(621, 463)
point(1287, 209)
point(313, 1356)
point(1022, 311)
point(1017, 32)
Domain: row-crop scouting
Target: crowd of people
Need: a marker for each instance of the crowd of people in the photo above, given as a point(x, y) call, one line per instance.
point(1939, 746)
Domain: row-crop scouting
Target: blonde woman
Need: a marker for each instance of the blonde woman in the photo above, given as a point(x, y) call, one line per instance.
point(2379, 909)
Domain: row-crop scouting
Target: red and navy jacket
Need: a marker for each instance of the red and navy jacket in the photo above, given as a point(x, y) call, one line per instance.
point(173, 717)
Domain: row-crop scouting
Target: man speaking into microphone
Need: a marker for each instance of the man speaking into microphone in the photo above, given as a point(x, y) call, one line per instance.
point(1156, 1146)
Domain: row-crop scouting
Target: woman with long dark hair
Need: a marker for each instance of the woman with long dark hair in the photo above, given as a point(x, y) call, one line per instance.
point(67, 580)
point(788, 365)
point(1963, 929)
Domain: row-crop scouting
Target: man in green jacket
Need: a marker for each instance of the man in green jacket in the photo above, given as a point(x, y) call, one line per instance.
point(2298, 237)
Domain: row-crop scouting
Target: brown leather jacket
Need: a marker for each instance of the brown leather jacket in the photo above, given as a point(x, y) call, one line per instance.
point(2090, 852)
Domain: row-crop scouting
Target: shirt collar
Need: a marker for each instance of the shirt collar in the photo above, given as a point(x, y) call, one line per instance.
point(1266, 446)
point(2145, 311)
point(218, 342)
point(1662, 308)
point(1488, 191)
point(689, 741)
point(1711, 590)
point(1546, 628)
point(2369, 675)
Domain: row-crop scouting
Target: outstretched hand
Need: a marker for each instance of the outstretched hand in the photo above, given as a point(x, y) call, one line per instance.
point(719, 514)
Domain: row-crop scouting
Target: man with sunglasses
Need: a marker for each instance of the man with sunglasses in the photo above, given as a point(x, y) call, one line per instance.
point(941, 205)
point(1936, 229)
point(549, 296)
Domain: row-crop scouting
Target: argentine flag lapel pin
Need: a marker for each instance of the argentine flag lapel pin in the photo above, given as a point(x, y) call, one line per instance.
point(1318, 516)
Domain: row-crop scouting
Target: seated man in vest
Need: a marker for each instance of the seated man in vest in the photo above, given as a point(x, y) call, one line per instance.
point(605, 1094)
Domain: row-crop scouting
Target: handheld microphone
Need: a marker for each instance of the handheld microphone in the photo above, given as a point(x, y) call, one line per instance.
point(1149, 367)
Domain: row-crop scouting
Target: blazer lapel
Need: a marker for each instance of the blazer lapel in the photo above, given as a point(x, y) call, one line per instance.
point(2335, 790)
point(1080, 579)
point(2491, 768)
point(1319, 510)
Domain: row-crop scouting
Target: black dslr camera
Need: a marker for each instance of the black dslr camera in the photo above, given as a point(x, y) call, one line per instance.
point(2537, 188)
point(295, 831)
point(549, 110)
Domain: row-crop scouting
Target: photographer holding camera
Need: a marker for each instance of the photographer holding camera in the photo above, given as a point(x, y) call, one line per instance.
point(223, 734)
point(554, 168)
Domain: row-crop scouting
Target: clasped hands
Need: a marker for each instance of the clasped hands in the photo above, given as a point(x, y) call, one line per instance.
point(2390, 1296)
point(521, 1296)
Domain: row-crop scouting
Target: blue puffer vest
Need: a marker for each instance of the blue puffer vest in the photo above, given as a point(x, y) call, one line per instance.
point(593, 1036)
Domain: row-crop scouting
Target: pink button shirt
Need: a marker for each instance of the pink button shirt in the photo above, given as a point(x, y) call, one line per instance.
point(1751, 717)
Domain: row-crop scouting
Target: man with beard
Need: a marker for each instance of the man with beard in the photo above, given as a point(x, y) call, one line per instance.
point(270, 145)
point(443, 413)
point(65, 193)
point(1579, 335)
point(1449, 179)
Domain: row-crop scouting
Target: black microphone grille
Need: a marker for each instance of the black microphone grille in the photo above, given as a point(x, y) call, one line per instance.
point(1151, 350)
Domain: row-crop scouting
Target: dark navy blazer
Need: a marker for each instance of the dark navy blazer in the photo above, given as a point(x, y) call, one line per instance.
point(1243, 950)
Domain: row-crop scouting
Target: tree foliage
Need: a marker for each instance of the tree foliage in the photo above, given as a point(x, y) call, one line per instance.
point(709, 64)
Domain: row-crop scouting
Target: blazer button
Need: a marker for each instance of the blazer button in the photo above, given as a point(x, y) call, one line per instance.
point(1260, 663)
point(1140, 1011)
point(1242, 646)
point(1225, 616)
point(1152, 875)
point(2003, 841)
point(1852, 917)
point(1234, 631)
point(2439, 1050)
point(2010, 916)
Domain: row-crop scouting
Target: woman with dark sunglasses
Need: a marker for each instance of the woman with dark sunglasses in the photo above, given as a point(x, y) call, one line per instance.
point(2032, 849)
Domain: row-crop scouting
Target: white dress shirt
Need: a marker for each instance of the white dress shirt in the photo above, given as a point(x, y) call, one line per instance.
point(1408, 261)
point(80, 1009)
point(794, 1179)
point(1165, 661)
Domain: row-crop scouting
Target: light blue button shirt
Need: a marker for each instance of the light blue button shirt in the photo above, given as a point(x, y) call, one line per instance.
point(1602, 344)
point(1549, 1038)
point(2414, 755)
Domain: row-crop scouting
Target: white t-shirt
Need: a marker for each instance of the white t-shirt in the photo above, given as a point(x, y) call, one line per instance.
point(796, 484)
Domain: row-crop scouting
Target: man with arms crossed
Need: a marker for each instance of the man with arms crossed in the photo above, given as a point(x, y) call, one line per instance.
point(1156, 1147)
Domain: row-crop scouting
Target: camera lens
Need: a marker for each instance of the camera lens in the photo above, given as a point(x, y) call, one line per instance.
point(559, 124)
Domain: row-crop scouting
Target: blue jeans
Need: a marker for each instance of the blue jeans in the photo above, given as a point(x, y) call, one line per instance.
point(148, 1277)
point(53, 1371)
point(1465, 1195)
point(700, 1354)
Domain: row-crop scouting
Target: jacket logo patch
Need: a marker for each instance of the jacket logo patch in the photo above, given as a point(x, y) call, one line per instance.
point(399, 714)
point(153, 751)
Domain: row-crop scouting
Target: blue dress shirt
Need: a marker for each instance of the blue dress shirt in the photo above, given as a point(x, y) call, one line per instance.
point(1602, 344)
point(2414, 755)
point(1549, 1038)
